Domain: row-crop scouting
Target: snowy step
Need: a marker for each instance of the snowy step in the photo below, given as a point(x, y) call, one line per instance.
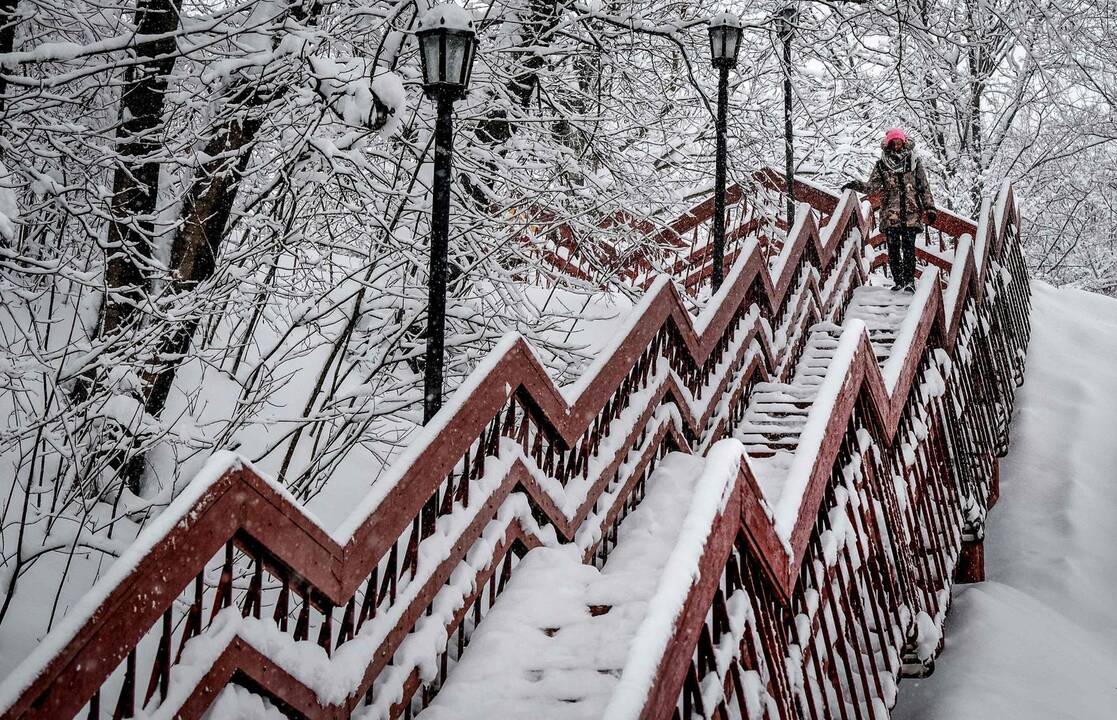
point(556, 641)
point(769, 441)
point(778, 412)
point(772, 423)
point(778, 408)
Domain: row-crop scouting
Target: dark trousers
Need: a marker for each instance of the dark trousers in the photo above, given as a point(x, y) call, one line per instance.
point(901, 254)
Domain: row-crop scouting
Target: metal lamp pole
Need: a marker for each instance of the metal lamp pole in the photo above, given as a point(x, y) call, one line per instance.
point(447, 43)
point(439, 258)
point(719, 180)
point(786, 25)
point(725, 41)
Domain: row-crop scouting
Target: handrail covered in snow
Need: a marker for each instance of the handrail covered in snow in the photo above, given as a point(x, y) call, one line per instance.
point(235, 583)
point(860, 395)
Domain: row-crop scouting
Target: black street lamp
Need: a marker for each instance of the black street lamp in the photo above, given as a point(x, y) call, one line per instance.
point(786, 27)
point(447, 43)
point(725, 41)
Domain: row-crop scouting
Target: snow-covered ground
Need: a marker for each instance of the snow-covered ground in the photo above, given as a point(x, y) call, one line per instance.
point(1038, 639)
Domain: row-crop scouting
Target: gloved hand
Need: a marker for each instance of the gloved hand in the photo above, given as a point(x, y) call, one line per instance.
point(852, 185)
point(932, 216)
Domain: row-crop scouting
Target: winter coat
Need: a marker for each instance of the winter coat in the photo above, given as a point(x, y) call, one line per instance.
point(900, 181)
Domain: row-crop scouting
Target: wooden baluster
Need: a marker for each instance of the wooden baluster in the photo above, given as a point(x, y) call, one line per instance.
point(325, 633)
point(302, 624)
point(705, 651)
point(494, 436)
point(537, 447)
point(345, 632)
point(252, 599)
point(282, 604)
point(193, 624)
point(388, 585)
point(509, 418)
point(448, 498)
point(369, 602)
point(549, 458)
point(524, 431)
point(479, 458)
point(161, 669)
point(738, 690)
point(224, 594)
point(95, 706)
point(721, 617)
point(429, 515)
point(692, 694)
point(560, 467)
point(126, 704)
point(505, 570)
point(411, 555)
point(463, 483)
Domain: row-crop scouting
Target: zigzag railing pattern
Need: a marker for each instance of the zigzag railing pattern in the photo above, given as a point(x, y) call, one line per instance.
point(893, 506)
point(235, 583)
point(682, 248)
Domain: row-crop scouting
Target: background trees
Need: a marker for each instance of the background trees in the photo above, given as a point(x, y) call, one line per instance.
point(213, 215)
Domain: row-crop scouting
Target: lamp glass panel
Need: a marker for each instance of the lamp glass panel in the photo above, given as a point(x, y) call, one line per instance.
point(717, 42)
point(732, 38)
point(430, 58)
point(455, 57)
point(467, 67)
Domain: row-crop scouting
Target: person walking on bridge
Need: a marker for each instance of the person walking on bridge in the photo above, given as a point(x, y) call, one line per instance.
point(906, 203)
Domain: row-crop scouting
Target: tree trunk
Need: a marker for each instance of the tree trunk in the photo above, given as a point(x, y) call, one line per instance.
point(7, 38)
point(205, 214)
point(540, 18)
point(136, 180)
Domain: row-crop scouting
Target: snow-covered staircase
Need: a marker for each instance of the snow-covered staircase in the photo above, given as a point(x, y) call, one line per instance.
point(557, 640)
point(883, 311)
point(541, 553)
point(778, 411)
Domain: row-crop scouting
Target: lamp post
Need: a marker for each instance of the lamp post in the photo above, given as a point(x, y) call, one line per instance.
point(786, 22)
point(725, 41)
point(447, 42)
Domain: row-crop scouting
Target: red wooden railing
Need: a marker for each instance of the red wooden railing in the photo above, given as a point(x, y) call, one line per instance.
point(906, 539)
point(235, 583)
point(680, 248)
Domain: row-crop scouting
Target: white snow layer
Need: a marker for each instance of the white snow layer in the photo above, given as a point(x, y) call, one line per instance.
point(9, 207)
point(1038, 638)
point(448, 15)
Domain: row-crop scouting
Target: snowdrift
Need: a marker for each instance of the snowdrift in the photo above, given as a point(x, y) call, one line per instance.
point(1039, 638)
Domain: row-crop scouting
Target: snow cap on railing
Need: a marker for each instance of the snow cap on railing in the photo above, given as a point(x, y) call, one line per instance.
point(218, 464)
point(711, 493)
point(894, 366)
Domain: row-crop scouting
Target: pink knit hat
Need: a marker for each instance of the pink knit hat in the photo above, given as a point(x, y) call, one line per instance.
point(893, 134)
